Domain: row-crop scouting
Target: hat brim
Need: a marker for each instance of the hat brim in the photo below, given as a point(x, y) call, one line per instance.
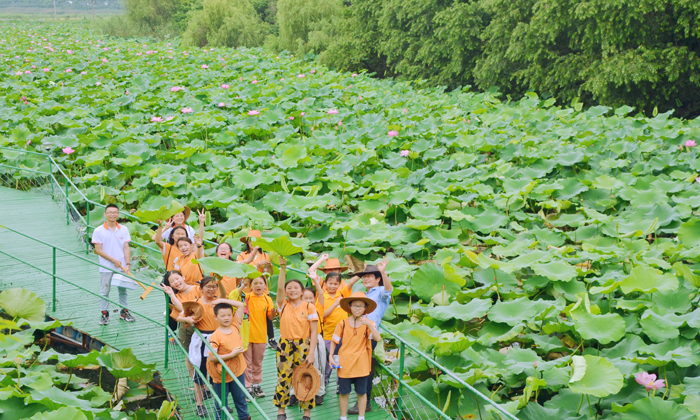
point(345, 304)
point(193, 309)
point(302, 392)
point(187, 213)
point(376, 273)
point(342, 269)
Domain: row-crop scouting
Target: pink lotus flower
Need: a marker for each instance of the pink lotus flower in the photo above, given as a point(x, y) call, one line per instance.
point(690, 143)
point(69, 70)
point(68, 150)
point(221, 104)
point(46, 70)
point(648, 380)
point(156, 119)
point(253, 112)
point(313, 71)
point(291, 118)
point(340, 123)
point(225, 86)
point(300, 76)
point(186, 110)
point(204, 66)
point(282, 79)
point(98, 83)
point(697, 179)
point(393, 133)
point(353, 75)
point(175, 88)
point(255, 82)
point(169, 117)
point(404, 153)
point(19, 73)
point(332, 111)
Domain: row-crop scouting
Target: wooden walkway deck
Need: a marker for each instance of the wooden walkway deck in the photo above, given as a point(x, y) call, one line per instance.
point(39, 216)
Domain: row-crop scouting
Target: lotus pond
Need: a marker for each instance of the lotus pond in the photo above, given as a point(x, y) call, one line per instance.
point(546, 253)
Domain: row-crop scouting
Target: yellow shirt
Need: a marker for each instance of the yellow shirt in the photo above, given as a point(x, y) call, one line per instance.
point(259, 308)
point(295, 323)
point(338, 314)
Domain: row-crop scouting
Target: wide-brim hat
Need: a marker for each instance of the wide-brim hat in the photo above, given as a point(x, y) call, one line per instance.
point(186, 212)
point(333, 264)
point(306, 382)
point(370, 269)
point(193, 309)
point(346, 301)
point(251, 234)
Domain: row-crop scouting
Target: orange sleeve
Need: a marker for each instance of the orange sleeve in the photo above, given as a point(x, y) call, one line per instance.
point(346, 291)
point(338, 333)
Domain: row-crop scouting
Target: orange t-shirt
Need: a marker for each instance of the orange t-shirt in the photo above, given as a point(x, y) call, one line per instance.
point(356, 351)
point(259, 308)
point(194, 294)
point(224, 344)
point(208, 321)
point(192, 272)
point(261, 258)
point(338, 314)
point(170, 254)
point(319, 311)
point(324, 286)
point(295, 323)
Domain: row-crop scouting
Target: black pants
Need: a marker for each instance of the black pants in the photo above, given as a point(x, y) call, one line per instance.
point(270, 329)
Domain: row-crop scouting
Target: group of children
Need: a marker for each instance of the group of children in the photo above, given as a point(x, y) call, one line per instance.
point(327, 326)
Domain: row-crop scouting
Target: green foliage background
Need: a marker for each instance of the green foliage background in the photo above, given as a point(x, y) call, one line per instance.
point(641, 54)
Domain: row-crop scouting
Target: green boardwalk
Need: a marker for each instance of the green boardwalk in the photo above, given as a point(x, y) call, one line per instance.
point(39, 216)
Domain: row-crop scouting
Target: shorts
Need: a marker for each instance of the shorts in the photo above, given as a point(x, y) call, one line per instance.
point(184, 333)
point(345, 385)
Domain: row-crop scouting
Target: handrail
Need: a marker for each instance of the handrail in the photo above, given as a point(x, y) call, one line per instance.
point(450, 374)
point(416, 393)
point(168, 330)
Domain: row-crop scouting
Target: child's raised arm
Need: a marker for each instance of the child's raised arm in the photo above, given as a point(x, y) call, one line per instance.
point(314, 268)
point(382, 269)
point(158, 236)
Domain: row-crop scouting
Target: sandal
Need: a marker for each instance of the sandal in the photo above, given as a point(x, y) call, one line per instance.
point(306, 418)
point(281, 417)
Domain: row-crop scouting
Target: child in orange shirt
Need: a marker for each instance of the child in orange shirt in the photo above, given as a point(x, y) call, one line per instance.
point(298, 337)
point(206, 326)
point(355, 356)
point(333, 290)
point(227, 342)
point(315, 297)
point(175, 286)
point(260, 310)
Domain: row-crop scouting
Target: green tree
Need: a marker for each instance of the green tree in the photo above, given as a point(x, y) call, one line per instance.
point(298, 18)
point(228, 23)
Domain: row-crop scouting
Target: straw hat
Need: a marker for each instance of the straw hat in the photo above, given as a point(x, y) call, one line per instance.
point(333, 264)
point(251, 234)
point(187, 212)
point(306, 382)
point(346, 301)
point(193, 309)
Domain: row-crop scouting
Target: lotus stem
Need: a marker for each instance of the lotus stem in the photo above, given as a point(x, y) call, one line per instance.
point(590, 407)
point(667, 385)
point(579, 404)
point(70, 376)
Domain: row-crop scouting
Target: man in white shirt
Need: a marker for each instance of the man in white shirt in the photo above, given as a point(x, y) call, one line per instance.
point(111, 242)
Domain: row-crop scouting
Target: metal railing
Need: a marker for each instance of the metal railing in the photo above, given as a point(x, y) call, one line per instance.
point(168, 332)
point(404, 391)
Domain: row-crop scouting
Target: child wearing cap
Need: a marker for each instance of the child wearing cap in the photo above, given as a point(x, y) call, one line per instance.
point(379, 288)
point(227, 342)
point(260, 310)
point(355, 355)
point(298, 337)
point(334, 288)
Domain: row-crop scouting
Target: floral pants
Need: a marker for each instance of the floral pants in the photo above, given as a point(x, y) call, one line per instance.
point(290, 354)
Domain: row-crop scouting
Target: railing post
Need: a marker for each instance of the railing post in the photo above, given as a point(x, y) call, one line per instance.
point(167, 320)
point(87, 229)
point(399, 402)
point(224, 397)
point(53, 301)
point(50, 177)
point(67, 205)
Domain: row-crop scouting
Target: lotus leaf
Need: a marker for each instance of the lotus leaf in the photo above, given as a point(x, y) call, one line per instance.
point(23, 303)
point(648, 280)
point(600, 378)
point(603, 328)
point(163, 213)
point(656, 408)
point(224, 267)
point(63, 413)
point(476, 308)
point(282, 246)
point(124, 364)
